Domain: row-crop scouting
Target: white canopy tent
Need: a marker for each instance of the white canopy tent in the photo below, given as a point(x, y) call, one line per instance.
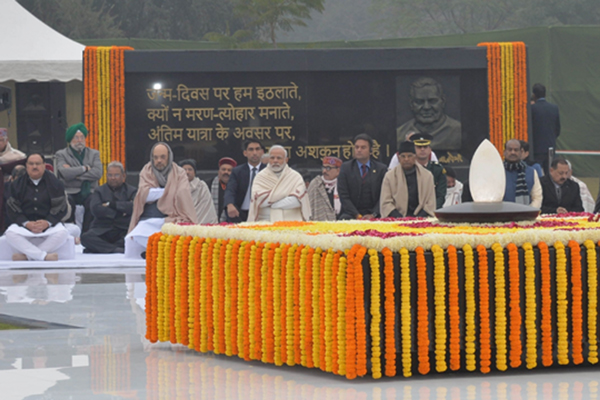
point(32, 51)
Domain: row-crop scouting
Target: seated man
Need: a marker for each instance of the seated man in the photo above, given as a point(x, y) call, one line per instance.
point(111, 205)
point(163, 196)
point(79, 167)
point(522, 181)
point(219, 184)
point(561, 195)
point(408, 190)
point(36, 205)
point(359, 182)
point(454, 190)
point(278, 192)
point(323, 195)
point(203, 205)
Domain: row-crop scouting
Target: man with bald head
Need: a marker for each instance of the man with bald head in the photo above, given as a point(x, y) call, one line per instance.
point(163, 195)
point(279, 192)
point(522, 181)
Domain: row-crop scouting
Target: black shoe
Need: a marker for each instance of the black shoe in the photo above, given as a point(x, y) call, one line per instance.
point(143, 255)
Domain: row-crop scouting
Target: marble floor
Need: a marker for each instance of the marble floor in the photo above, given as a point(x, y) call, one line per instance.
point(93, 347)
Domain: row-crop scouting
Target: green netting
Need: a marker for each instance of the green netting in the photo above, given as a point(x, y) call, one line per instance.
point(565, 59)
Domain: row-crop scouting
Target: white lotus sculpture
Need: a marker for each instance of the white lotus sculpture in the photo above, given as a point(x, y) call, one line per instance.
point(487, 179)
point(487, 182)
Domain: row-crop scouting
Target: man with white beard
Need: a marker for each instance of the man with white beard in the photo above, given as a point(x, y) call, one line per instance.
point(279, 192)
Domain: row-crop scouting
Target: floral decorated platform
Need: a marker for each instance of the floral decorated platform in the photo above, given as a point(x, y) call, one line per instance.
point(381, 298)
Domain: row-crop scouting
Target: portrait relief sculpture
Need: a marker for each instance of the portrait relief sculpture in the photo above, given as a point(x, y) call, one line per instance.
point(427, 104)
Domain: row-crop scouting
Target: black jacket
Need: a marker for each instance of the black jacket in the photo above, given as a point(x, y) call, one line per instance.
point(118, 213)
point(545, 125)
point(350, 186)
point(570, 196)
point(238, 185)
point(28, 202)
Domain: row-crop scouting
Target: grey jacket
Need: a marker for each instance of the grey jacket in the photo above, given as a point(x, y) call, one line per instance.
point(75, 174)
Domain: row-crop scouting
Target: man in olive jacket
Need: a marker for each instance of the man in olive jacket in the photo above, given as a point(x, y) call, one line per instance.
point(79, 167)
point(112, 205)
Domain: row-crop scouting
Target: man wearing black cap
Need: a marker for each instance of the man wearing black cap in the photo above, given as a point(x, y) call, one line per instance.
point(422, 143)
point(408, 189)
point(359, 182)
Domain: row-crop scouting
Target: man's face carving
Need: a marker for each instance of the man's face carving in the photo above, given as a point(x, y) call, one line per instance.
point(427, 104)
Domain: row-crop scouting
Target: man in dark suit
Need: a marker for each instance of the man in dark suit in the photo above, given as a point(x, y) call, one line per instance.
point(359, 182)
point(545, 125)
point(111, 205)
point(561, 194)
point(237, 194)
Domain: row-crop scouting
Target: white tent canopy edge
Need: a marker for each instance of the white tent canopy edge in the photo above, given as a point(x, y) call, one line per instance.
point(32, 51)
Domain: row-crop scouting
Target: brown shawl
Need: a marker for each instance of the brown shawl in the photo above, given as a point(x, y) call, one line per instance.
point(394, 191)
point(176, 202)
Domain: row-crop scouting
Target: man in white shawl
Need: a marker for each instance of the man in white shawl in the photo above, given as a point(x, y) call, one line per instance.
point(200, 194)
point(408, 190)
point(278, 192)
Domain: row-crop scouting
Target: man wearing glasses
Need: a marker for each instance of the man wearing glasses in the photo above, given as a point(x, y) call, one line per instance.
point(323, 195)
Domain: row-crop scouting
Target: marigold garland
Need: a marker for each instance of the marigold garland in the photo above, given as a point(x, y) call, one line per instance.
point(530, 308)
point(453, 308)
point(485, 351)
point(546, 323)
point(361, 328)
point(500, 307)
point(439, 286)
point(350, 311)
point(592, 317)
point(516, 349)
point(316, 306)
point(104, 108)
point(405, 313)
point(375, 314)
point(507, 92)
point(390, 313)
point(422, 313)
point(470, 308)
point(341, 325)
point(328, 309)
point(309, 305)
point(576, 304)
point(562, 304)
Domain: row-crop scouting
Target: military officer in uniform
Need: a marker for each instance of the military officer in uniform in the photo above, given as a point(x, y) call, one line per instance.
point(422, 143)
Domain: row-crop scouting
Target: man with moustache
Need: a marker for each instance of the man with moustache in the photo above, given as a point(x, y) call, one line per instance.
point(323, 195)
point(111, 206)
point(200, 194)
point(359, 182)
point(219, 184)
point(522, 181)
point(163, 196)
point(408, 190)
point(237, 194)
point(422, 143)
point(36, 205)
point(80, 168)
point(560, 194)
point(279, 192)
